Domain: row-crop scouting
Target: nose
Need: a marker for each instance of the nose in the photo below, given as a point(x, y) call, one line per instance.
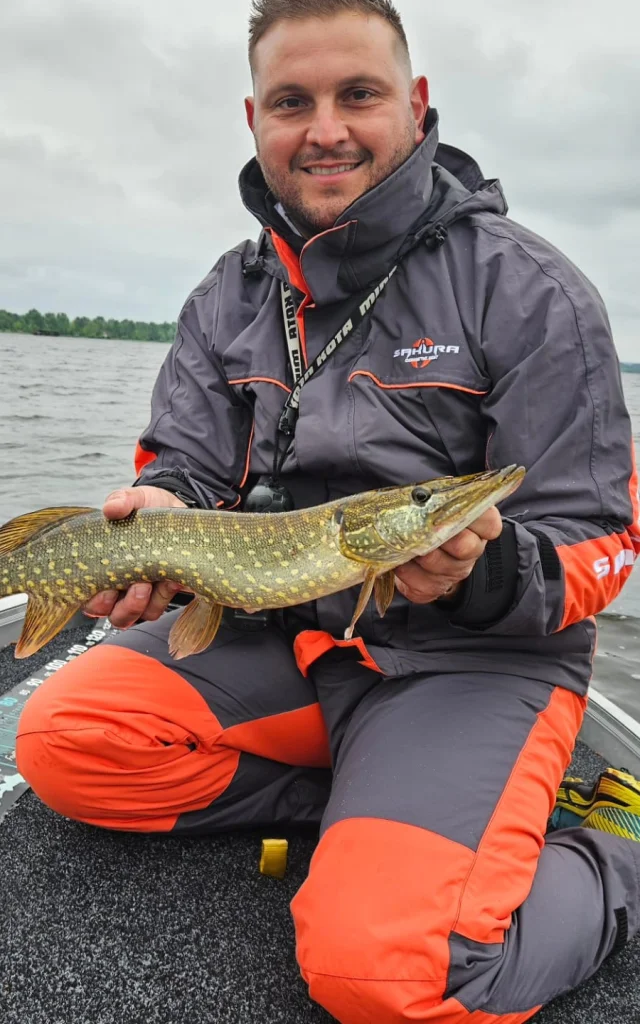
point(327, 128)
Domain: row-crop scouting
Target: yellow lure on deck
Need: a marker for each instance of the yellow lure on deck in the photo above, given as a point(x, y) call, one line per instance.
point(274, 857)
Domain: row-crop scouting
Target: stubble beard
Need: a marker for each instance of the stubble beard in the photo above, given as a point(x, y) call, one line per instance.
point(311, 220)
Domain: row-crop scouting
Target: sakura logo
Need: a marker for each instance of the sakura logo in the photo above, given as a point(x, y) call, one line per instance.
point(423, 352)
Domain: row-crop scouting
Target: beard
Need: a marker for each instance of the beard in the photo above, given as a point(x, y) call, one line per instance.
point(313, 218)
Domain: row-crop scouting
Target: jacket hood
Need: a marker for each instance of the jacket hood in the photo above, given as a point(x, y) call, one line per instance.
point(436, 186)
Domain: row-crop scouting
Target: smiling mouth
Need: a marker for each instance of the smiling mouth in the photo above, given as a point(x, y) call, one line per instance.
point(326, 172)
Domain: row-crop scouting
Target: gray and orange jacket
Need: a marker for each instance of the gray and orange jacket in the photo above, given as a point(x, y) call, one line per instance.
point(487, 348)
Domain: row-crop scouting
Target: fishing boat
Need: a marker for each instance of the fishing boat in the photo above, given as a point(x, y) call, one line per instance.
point(115, 927)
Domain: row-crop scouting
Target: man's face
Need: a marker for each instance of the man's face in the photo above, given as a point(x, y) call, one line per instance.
point(334, 113)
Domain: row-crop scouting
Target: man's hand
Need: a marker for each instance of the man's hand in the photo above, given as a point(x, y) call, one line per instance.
point(142, 600)
point(442, 572)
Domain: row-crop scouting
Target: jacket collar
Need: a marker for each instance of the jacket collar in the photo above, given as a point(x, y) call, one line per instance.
point(375, 231)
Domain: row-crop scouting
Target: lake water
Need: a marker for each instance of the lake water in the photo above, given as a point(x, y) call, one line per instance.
point(71, 411)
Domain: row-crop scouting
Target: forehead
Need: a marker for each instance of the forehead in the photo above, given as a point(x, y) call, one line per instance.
point(346, 45)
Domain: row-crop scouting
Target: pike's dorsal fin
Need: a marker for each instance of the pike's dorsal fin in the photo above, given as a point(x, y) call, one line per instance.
point(44, 620)
point(195, 629)
point(384, 589)
point(18, 531)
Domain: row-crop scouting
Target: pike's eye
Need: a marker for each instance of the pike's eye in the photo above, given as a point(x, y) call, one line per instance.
point(420, 496)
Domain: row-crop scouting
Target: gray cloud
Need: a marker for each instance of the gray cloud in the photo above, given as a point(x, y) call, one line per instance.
point(122, 134)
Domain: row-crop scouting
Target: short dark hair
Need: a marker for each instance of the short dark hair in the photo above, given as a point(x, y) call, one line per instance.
point(265, 13)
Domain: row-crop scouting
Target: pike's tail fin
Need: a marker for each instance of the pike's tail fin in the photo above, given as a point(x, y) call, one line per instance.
point(46, 615)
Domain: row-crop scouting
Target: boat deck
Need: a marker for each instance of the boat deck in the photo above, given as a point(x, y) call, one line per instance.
point(109, 928)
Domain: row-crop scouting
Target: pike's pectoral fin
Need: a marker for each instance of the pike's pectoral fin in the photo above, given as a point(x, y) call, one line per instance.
point(381, 586)
point(18, 531)
point(44, 620)
point(195, 629)
point(384, 589)
point(363, 599)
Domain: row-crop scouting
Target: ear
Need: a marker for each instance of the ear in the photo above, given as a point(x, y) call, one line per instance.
point(250, 108)
point(420, 105)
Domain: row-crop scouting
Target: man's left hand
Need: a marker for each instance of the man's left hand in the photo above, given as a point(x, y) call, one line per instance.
point(441, 573)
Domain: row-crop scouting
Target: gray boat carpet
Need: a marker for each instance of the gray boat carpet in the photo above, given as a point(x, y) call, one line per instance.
point(109, 928)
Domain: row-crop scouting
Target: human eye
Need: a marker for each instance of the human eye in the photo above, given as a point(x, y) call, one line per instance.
point(360, 95)
point(289, 103)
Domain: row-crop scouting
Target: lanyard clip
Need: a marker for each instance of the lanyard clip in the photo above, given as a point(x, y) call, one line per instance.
point(288, 419)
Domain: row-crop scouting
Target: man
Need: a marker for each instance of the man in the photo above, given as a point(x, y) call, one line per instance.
point(433, 744)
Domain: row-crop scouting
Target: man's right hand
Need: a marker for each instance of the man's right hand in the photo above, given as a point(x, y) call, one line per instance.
point(142, 600)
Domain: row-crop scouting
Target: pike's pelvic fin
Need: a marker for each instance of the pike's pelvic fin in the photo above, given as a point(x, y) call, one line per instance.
point(195, 629)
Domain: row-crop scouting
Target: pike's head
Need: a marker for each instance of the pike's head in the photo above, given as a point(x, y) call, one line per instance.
point(395, 524)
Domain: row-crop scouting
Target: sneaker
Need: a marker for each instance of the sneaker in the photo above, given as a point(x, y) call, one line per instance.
point(610, 804)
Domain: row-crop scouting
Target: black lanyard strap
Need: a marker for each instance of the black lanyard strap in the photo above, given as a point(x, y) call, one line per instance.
point(291, 408)
point(291, 331)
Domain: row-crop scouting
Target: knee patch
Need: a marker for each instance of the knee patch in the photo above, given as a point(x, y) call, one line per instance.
point(116, 739)
point(374, 917)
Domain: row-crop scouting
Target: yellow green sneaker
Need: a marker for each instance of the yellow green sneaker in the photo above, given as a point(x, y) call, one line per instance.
point(610, 804)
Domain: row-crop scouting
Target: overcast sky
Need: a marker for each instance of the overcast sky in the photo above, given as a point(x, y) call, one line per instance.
point(122, 134)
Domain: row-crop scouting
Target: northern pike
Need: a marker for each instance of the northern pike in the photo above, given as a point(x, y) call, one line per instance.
point(62, 557)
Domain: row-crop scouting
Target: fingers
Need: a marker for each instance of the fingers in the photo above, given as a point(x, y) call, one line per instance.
point(100, 606)
point(442, 572)
point(450, 566)
point(469, 545)
point(120, 504)
point(131, 606)
point(426, 588)
point(488, 526)
point(161, 596)
point(141, 601)
point(121, 610)
point(466, 547)
point(434, 573)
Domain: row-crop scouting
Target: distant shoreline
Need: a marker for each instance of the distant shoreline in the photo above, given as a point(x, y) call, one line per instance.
point(58, 325)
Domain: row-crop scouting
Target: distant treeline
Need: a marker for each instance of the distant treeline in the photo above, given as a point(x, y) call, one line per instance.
point(630, 367)
point(59, 325)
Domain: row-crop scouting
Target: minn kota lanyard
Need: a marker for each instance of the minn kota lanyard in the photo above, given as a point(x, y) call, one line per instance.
point(290, 412)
